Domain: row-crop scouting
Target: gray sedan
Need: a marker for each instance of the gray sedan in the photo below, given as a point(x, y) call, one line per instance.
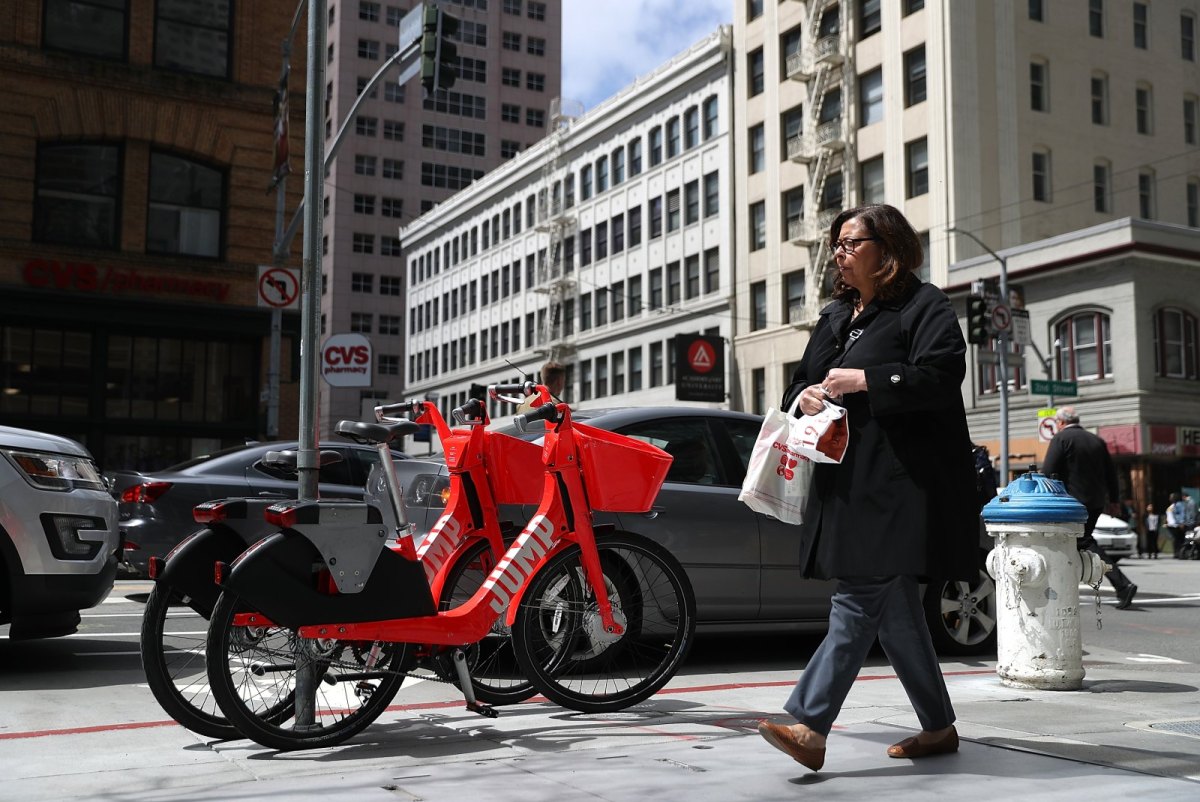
point(743, 566)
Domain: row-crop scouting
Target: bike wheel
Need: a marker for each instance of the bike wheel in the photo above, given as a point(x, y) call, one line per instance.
point(253, 671)
point(495, 672)
point(173, 660)
point(562, 647)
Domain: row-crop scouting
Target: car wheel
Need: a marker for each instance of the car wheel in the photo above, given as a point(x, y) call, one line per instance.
point(962, 616)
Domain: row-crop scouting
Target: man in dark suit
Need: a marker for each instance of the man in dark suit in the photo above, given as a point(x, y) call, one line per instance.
point(1080, 460)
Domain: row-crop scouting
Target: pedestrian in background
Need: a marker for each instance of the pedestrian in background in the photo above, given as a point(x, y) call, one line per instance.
point(902, 503)
point(554, 376)
point(1080, 460)
point(1189, 511)
point(1176, 515)
point(1150, 536)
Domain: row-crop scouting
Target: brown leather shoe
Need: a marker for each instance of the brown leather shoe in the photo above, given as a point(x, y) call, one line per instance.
point(783, 739)
point(912, 748)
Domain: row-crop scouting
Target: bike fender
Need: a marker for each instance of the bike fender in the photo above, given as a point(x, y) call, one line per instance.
point(189, 567)
point(281, 577)
point(510, 615)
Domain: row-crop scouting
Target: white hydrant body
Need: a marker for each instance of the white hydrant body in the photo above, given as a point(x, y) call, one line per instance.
point(1038, 566)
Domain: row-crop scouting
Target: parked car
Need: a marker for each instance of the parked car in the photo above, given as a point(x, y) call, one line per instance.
point(59, 541)
point(1116, 536)
point(744, 566)
point(156, 508)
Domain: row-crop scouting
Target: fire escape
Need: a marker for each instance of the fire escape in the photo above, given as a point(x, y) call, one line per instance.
point(556, 263)
point(825, 145)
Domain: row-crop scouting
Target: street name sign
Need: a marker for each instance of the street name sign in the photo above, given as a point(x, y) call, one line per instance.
point(1055, 387)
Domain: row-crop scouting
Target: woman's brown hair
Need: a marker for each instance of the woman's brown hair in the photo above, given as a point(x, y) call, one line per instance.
point(901, 247)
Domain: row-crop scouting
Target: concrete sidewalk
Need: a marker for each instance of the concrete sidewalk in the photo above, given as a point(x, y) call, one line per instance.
point(1129, 733)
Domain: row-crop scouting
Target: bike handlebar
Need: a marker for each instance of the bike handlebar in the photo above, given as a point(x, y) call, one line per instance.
point(472, 411)
point(414, 406)
point(544, 412)
point(524, 388)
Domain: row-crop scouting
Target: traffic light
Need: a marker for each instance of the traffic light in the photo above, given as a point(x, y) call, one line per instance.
point(439, 55)
point(977, 320)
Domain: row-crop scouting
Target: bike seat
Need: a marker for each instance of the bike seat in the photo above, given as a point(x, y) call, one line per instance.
point(372, 434)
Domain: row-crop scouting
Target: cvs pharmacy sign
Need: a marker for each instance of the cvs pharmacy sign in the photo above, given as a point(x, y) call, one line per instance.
point(346, 360)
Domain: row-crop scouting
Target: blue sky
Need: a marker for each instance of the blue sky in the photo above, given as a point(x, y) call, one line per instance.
point(609, 43)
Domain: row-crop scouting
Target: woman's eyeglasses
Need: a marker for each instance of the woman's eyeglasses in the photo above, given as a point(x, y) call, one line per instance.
point(849, 244)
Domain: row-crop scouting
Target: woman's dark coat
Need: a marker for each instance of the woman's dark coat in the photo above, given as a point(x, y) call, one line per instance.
point(903, 499)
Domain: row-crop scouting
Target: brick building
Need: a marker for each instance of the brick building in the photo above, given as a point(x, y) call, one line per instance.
point(136, 153)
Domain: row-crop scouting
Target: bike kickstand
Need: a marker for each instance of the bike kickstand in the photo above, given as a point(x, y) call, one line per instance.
point(464, 683)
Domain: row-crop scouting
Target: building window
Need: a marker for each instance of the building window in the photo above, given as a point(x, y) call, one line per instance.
point(394, 15)
point(186, 203)
point(758, 148)
point(78, 195)
point(794, 289)
point(635, 157)
point(710, 117)
point(1041, 176)
point(1086, 351)
point(712, 270)
point(511, 41)
point(656, 217)
point(393, 130)
point(368, 49)
point(755, 72)
point(366, 126)
point(656, 143)
point(360, 322)
point(635, 369)
point(510, 113)
point(389, 246)
point(1175, 344)
point(656, 289)
point(389, 365)
point(1146, 200)
point(1100, 99)
point(754, 9)
point(1187, 36)
point(364, 204)
point(916, 155)
point(394, 168)
point(758, 226)
point(791, 47)
point(618, 165)
point(509, 148)
point(1140, 14)
point(361, 282)
point(393, 92)
point(585, 182)
point(691, 276)
point(510, 77)
point(1096, 18)
point(389, 285)
point(1145, 110)
point(691, 128)
point(793, 213)
point(1102, 187)
point(363, 243)
point(601, 174)
point(712, 194)
point(656, 364)
point(635, 226)
point(364, 165)
point(673, 210)
point(673, 283)
point(691, 202)
point(672, 137)
point(1039, 86)
point(869, 20)
point(1190, 104)
point(535, 118)
point(91, 27)
point(871, 173)
point(635, 296)
point(914, 76)
point(1193, 202)
point(870, 97)
point(368, 11)
point(389, 324)
point(833, 192)
point(758, 306)
point(535, 46)
point(536, 11)
point(192, 37)
point(535, 81)
point(791, 122)
point(1037, 10)
point(512, 7)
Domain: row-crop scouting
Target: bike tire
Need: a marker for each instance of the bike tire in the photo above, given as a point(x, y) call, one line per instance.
point(557, 634)
point(174, 665)
point(253, 669)
point(496, 674)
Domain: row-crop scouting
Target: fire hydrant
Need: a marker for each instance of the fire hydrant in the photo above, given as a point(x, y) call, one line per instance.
point(1038, 566)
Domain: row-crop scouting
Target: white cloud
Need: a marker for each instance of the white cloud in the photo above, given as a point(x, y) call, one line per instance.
point(609, 43)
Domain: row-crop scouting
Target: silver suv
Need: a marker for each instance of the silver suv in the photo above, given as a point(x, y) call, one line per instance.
point(59, 541)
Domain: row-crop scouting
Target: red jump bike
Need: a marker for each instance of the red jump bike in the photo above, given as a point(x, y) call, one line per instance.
point(598, 620)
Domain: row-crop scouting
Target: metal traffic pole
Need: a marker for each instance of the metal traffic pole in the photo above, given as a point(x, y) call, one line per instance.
point(1003, 336)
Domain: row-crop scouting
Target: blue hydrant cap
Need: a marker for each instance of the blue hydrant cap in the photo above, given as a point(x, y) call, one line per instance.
point(1034, 498)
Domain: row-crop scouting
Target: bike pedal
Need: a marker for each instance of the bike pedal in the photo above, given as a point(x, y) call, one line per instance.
point(484, 710)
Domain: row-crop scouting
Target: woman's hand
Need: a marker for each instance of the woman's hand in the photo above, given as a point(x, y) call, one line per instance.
point(840, 381)
point(812, 399)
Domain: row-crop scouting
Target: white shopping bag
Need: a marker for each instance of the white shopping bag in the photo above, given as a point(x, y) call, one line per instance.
point(778, 476)
point(823, 437)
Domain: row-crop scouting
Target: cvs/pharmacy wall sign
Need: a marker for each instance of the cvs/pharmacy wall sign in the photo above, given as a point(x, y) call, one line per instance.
point(346, 360)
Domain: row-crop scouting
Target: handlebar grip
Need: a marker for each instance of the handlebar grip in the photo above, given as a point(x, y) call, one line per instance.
point(524, 388)
point(415, 406)
point(544, 412)
point(472, 410)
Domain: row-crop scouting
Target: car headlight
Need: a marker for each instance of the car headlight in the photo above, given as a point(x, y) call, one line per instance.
point(56, 471)
point(428, 490)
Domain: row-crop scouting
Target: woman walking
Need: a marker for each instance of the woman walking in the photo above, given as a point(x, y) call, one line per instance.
point(900, 507)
